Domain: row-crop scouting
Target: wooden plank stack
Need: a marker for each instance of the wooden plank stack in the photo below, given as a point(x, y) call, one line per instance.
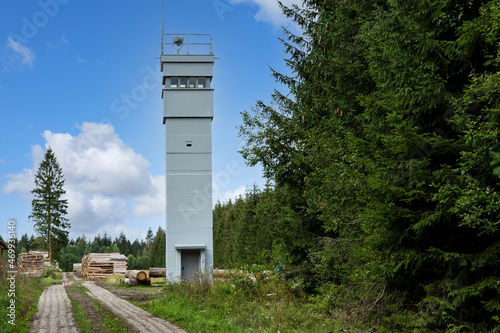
point(33, 262)
point(102, 265)
point(77, 267)
point(120, 263)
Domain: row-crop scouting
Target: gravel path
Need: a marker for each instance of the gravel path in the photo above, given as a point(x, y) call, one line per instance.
point(134, 316)
point(69, 278)
point(55, 313)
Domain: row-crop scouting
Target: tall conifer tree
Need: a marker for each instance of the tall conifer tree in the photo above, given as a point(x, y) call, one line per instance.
point(48, 206)
point(384, 151)
point(158, 249)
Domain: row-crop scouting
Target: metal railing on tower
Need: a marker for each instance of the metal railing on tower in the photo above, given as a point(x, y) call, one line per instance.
point(186, 44)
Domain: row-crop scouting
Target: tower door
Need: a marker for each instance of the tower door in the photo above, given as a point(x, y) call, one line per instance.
point(190, 263)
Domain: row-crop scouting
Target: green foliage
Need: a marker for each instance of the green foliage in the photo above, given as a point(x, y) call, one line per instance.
point(27, 292)
point(69, 256)
point(105, 320)
point(48, 206)
point(243, 230)
point(141, 262)
point(241, 304)
point(158, 249)
point(384, 156)
point(52, 272)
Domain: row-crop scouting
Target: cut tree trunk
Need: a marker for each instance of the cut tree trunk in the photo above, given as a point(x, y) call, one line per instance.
point(139, 275)
point(157, 272)
point(131, 281)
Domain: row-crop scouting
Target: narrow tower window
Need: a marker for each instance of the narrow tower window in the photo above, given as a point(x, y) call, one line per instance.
point(174, 82)
point(201, 82)
point(183, 82)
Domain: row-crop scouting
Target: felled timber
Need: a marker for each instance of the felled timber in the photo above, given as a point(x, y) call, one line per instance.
point(136, 274)
point(157, 272)
point(146, 282)
point(130, 281)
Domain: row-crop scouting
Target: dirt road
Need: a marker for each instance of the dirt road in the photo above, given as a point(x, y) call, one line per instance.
point(55, 313)
point(134, 316)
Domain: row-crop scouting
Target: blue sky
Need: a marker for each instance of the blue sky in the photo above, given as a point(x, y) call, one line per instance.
point(83, 77)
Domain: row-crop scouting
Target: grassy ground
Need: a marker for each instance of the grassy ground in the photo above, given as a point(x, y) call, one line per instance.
point(90, 316)
point(241, 303)
point(26, 295)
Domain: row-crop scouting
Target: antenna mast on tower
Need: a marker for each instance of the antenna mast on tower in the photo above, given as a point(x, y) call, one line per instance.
point(162, 27)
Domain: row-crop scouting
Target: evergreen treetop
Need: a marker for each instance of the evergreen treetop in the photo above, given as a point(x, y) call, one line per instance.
point(48, 206)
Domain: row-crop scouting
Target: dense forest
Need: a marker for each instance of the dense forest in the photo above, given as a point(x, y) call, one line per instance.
point(141, 254)
point(382, 160)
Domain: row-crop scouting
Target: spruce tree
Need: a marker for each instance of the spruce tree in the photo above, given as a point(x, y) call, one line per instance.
point(149, 240)
point(158, 250)
point(383, 153)
point(48, 206)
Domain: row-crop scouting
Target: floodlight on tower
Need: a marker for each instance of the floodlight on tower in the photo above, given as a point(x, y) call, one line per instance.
point(179, 42)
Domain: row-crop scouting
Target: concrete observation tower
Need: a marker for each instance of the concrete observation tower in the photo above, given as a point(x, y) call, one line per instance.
point(187, 68)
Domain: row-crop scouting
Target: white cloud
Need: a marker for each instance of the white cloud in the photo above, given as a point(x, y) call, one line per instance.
point(80, 59)
point(229, 195)
point(153, 202)
point(23, 182)
point(21, 52)
point(269, 10)
point(19, 182)
point(106, 181)
point(60, 43)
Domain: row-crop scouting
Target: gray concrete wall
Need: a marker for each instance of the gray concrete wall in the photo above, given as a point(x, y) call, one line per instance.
point(187, 115)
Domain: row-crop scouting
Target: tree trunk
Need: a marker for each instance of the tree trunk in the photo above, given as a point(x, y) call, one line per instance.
point(146, 282)
point(157, 272)
point(130, 281)
point(50, 247)
point(139, 275)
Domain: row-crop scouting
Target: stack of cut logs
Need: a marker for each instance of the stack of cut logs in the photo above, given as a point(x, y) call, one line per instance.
point(101, 265)
point(157, 272)
point(77, 268)
point(135, 277)
point(33, 262)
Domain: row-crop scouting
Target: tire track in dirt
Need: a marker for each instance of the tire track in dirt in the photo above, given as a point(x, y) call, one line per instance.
point(69, 278)
point(55, 313)
point(134, 316)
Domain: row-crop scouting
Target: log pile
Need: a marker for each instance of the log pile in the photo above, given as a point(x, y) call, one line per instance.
point(77, 267)
point(102, 265)
point(157, 272)
point(135, 277)
point(139, 275)
point(33, 262)
point(130, 281)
